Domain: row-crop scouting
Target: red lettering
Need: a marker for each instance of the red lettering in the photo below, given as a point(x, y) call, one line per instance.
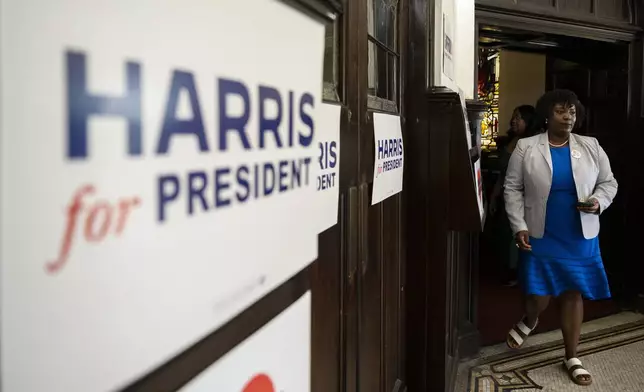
point(125, 206)
point(97, 223)
point(90, 234)
point(72, 216)
point(259, 383)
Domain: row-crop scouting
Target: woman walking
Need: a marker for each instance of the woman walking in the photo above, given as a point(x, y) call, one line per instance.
point(557, 184)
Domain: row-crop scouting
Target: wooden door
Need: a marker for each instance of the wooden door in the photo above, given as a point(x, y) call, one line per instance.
point(381, 273)
point(357, 325)
point(333, 287)
point(602, 86)
point(635, 186)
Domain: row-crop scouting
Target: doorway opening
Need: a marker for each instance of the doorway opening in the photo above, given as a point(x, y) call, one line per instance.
point(515, 68)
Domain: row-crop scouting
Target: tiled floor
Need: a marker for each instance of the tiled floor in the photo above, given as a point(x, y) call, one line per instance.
point(612, 349)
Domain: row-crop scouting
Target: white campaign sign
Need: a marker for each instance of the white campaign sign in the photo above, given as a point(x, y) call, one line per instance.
point(277, 358)
point(157, 177)
point(389, 157)
point(328, 178)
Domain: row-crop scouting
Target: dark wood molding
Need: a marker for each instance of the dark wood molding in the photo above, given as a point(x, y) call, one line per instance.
point(322, 10)
point(556, 12)
point(634, 186)
point(437, 240)
point(464, 215)
point(443, 236)
point(637, 51)
point(420, 252)
point(430, 41)
point(184, 367)
point(555, 25)
point(468, 332)
point(638, 8)
point(452, 372)
point(468, 340)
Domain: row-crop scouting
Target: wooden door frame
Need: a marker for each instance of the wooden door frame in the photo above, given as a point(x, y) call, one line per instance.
point(552, 25)
point(374, 252)
point(333, 274)
point(634, 132)
point(430, 243)
point(353, 232)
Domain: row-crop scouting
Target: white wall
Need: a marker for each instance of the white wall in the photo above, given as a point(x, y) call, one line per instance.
point(461, 14)
point(522, 80)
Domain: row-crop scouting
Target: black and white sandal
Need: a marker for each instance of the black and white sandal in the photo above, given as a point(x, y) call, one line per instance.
point(519, 333)
point(576, 371)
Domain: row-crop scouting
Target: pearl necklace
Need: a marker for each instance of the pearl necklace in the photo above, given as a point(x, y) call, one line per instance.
point(557, 145)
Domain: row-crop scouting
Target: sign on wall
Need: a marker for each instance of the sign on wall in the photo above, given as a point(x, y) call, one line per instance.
point(389, 157)
point(466, 119)
point(448, 47)
point(158, 168)
point(478, 178)
point(328, 178)
point(274, 359)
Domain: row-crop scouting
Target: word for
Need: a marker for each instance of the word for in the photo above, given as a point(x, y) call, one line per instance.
point(100, 218)
point(270, 132)
point(208, 190)
point(389, 148)
point(328, 160)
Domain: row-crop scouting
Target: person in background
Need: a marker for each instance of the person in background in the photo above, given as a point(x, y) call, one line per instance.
point(523, 124)
point(556, 185)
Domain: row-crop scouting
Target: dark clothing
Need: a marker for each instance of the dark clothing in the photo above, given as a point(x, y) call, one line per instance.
point(506, 249)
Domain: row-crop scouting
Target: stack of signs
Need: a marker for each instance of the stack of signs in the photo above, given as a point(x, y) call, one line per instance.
point(159, 160)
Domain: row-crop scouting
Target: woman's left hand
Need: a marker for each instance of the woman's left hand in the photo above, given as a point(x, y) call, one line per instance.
point(590, 210)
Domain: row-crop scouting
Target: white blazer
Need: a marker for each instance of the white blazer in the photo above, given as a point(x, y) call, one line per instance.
point(529, 177)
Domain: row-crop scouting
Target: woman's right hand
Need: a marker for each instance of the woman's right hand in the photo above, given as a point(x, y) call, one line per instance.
point(523, 240)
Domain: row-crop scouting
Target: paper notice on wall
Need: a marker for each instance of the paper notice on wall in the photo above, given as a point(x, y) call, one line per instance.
point(389, 157)
point(466, 118)
point(448, 47)
point(275, 358)
point(478, 178)
point(327, 132)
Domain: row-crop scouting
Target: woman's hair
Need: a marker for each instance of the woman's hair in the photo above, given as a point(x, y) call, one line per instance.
point(546, 105)
point(529, 115)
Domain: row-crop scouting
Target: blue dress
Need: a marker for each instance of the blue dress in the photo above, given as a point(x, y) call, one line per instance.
point(563, 259)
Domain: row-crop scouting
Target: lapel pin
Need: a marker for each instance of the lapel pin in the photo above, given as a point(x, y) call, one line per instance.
point(576, 154)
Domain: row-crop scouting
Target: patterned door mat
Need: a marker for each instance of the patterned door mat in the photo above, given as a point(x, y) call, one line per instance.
point(614, 357)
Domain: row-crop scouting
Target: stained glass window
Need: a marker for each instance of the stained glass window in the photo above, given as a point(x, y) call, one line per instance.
point(488, 92)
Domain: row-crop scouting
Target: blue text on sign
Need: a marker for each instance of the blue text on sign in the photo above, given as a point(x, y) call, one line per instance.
point(328, 160)
point(202, 189)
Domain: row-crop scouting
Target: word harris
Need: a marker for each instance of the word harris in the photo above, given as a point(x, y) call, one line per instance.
point(328, 160)
point(201, 189)
point(390, 150)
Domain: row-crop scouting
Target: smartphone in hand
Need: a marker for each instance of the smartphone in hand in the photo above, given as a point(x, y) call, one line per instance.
point(585, 204)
